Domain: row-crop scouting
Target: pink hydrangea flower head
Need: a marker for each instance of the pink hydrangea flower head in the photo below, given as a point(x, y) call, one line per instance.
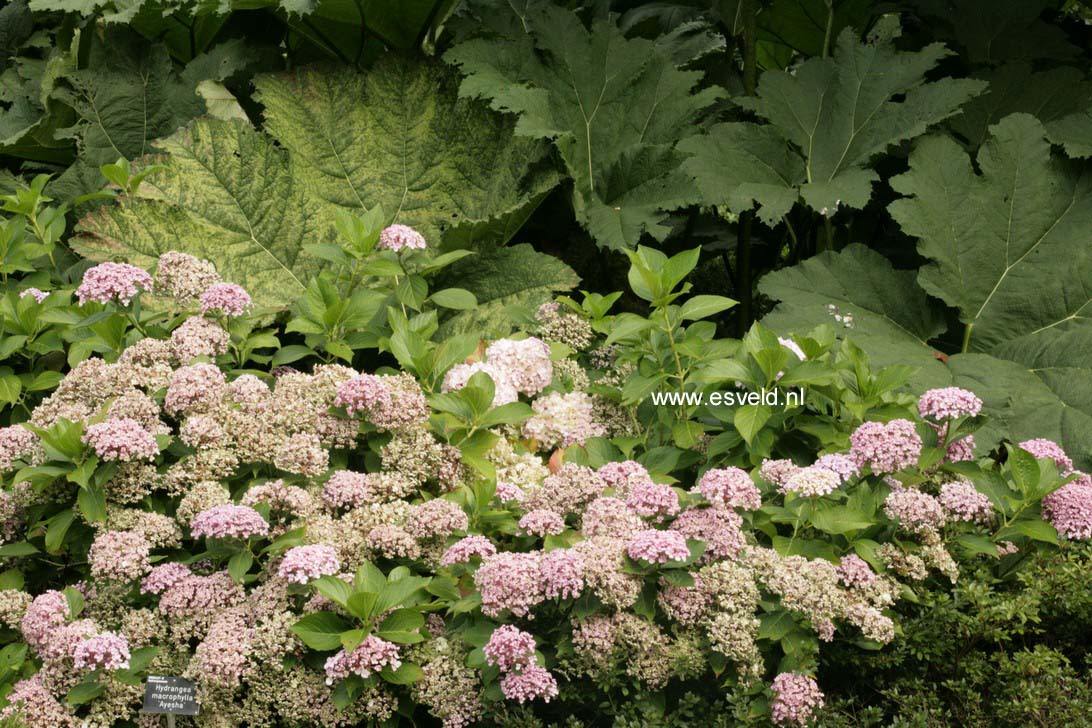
point(812, 482)
point(16, 443)
point(504, 389)
point(653, 500)
point(531, 683)
point(467, 548)
point(508, 492)
point(109, 281)
point(1069, 509)
point(949, 403)
point(122, 439)
point(371, 655)
point(961, 450)
point(438, 517)
point(720, 529)
point(105, 650)
point(525, 362)
point(229, 299)
point(963, 502)
point(348, 489)
point(562, 573)
point(1042, 448)
point(163, 577)
point(194, 388)
point(365, 393)
point(624, 475)
point(401, 237)
point(542, 522)
point(843, 466)
point(914, 510)
point(302, 564)
point(855, 571)
point(119, 556)
point(777, 471)
point(509, 648)
point(38, 294)
point(886, 448)
point(510, 581)
point(658, 547)
point(561, 420)
point(796, 699)
point(45, 614)
point(729, 488)
point(229, 521)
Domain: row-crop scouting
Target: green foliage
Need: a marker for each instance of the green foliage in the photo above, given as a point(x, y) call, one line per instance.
point(614, 106)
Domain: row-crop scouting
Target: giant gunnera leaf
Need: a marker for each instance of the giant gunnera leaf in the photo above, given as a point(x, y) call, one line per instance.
point(827, 120)
point(1009, 245)
point(249, 201)
point(615, 107)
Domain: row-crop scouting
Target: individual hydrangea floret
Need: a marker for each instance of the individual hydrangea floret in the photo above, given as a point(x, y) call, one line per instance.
point(542, 522)
point(658, 547)
point(302, 564)
point(964, 502)
point(949, 403)
point(886, 448)
point(119, 556)
point(36, 293)
point(509, 648)
point(229, 521)
point(107, 650)
point(1069, 509)
point(729, 488)
point(110, 281)
point(812, 482)
point(796, 699)
point(467, 548)
point(401, 237)
point(122, 439)
point(1043, 448)
point(526, 363)
point(230, 299)
point(531, 683)
point(792, 346)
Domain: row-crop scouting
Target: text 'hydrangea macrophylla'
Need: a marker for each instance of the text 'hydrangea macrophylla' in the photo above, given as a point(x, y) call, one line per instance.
point(653, 500)
point(1069, 509)
point(812, 482)
point(229, 299)
point(562, 573)
point(949, 403)
point(796, 699)
point(843, 466)
point(119, 556)
point(364, 393)
point(1043, 448)
point(467, 548)
point(302, 564)
point(510, 581)
point(525, 363)
point(229, 521)
point(886, 448)
point(542, 522)
point(371, 655)
point(509, 648)
point(122, 439)
point(110, 281)
point(163, 577)
point(658, 547)
point(963, 502)
point(531, 683)
point(106, 650)
point(729, 488)
point(914, 510)
point(401, 237)
point(36, 293)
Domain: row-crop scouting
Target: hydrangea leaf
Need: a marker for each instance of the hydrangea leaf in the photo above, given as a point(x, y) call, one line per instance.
point(504, 280)
point(399, 136)
point(837, 113)
point(1048, 95)
point(615, 107)
point(892, 318)
point(1009, 248)
point(1073, 132)
point(228, 194)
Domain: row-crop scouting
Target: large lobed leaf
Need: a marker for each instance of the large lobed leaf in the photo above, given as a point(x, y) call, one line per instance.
point(400, 137)
point(1010, 248)
point(614, 106)
point(397, 136)
point(827, 120)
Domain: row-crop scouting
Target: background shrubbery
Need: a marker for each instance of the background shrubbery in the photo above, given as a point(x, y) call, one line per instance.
point(899, 191)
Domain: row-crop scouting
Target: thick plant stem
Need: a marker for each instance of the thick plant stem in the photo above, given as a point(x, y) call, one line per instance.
point(830, 28)
point(967, 337)
point(746, 219)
